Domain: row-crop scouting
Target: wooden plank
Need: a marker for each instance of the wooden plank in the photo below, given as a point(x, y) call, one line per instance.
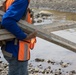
point(64, 42)
point(51, 38)
point(58, 26)
point(42, 33)
point(3, 31)
point(4, 34)
point(52, 27)
point(1, 13)
point(6, 37)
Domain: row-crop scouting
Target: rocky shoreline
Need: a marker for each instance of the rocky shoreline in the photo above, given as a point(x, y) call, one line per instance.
point(39, 68)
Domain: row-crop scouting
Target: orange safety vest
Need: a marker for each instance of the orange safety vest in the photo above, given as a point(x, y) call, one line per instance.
point(24, 47)
point(8, 3)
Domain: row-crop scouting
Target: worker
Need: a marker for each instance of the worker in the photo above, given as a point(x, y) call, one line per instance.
point(16, 51)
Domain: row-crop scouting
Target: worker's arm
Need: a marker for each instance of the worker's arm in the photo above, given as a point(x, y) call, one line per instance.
point(13, 15)
point(12, 27)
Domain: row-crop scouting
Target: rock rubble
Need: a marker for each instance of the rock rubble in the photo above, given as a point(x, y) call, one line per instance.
point(39, 69)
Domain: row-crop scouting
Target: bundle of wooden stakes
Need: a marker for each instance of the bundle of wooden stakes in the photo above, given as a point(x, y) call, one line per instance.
point(44, 32)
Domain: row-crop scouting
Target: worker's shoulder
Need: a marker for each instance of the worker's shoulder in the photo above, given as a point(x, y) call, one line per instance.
point(20, 1)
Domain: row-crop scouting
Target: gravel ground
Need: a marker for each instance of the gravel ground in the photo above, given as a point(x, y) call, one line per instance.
point(40, 69)
point(60, 5)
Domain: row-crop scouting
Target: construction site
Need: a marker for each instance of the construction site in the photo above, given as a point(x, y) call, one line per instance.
point(55, 50)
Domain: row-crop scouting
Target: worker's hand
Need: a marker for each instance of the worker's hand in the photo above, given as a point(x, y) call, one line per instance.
point(31, 35)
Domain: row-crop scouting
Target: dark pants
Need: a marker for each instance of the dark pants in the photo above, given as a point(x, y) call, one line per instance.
point(17, 67)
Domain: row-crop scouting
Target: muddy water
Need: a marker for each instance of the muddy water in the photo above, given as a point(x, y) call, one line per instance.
point(57, 16)
point(49, 51)
point(64, 15)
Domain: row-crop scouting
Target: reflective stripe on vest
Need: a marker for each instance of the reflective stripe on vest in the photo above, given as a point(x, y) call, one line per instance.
point(24, 51)
point(28, 18)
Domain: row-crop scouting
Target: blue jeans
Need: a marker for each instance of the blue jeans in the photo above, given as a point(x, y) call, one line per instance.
point(17, 67)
